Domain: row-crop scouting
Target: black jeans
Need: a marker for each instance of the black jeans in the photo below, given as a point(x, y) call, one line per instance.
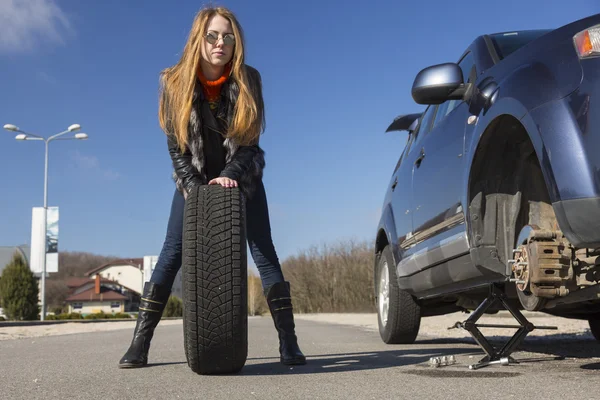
point(258, 234)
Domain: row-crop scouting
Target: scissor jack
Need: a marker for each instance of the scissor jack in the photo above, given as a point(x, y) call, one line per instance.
point(495, 356)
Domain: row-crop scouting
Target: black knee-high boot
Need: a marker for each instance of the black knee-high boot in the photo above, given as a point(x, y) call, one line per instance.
point(153, 302)
point(280, 304)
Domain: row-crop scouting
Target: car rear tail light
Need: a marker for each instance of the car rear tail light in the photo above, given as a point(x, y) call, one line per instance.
point(587, 42)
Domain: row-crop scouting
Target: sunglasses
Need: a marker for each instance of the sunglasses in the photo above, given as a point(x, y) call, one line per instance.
point(212, 38)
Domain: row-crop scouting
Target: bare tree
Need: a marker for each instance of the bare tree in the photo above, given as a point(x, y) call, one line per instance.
point(332, 278)
point(257, 304)
point(76, 264)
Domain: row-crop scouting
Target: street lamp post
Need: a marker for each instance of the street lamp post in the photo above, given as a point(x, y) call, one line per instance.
point(29, 136)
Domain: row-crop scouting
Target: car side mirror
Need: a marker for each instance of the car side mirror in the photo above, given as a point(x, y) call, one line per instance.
point(438, 83)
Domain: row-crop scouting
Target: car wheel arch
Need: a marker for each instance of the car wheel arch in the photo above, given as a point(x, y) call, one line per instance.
point(489, 175)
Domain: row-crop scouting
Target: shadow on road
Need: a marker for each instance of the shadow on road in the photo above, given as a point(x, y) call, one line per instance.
point(561, 345)
point(346, 362)
point(150, 364)
point(592, 366)
point(551, 347)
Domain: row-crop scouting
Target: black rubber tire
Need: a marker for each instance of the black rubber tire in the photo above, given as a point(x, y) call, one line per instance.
point(404, 314)
point(215, 295)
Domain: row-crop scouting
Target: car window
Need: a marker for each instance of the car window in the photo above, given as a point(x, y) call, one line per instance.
point(424, 124)
point(409, 141)
point(445, 109)
point(466, 65)
point(508, 42)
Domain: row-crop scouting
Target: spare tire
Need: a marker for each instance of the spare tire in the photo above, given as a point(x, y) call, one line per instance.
point(215, 296)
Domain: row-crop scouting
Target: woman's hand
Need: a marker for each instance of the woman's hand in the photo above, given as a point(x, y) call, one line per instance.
point(223, 181)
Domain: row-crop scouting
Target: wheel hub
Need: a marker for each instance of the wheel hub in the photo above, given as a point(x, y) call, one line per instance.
point(384, 293)
point(520, 268)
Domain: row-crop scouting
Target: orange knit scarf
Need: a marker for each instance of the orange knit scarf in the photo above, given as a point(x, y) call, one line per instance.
point(212, 89)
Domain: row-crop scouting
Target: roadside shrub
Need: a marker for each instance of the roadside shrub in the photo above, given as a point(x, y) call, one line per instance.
point(73, 315)
point(59, 310)
point(64, 316)
point(100, 315)
point(174, 307)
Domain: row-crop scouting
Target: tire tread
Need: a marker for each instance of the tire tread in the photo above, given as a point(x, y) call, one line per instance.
point(215, 281)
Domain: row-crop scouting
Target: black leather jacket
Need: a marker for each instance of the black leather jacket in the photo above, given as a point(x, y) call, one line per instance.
point(246, 162)
point(239, 165)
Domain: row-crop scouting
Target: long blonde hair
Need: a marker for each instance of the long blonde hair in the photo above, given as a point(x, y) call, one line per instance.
point(178, 82)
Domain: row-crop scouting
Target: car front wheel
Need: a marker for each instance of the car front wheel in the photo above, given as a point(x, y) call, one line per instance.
point(595, 327)
point(398, 314)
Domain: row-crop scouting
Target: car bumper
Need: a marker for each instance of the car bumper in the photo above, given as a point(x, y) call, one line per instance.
point(579, 220)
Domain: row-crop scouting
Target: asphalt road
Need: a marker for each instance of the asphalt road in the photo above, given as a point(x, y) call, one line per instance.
point(344, 362)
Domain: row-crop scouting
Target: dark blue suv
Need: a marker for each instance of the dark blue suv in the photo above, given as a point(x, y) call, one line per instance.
point(499, 183)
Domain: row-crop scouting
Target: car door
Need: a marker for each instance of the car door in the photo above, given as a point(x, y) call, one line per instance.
point(438, 229)
point(402, 180)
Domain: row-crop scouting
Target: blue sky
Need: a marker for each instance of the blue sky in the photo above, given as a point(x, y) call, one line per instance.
point(334, 75)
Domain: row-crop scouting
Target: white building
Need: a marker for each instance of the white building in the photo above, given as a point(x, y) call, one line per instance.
point(150, 263)
point(133, 273)
point(101, 295)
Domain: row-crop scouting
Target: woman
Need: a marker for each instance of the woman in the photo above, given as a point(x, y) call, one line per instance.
point(211, 109)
